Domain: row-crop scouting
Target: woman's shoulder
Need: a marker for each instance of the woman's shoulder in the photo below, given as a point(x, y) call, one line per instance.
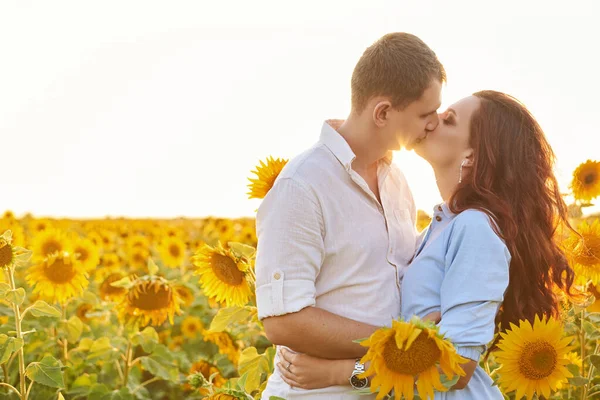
point(474, 223)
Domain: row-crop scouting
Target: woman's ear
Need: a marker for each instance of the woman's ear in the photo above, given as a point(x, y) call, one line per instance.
point(381, 113)
point(468, 158)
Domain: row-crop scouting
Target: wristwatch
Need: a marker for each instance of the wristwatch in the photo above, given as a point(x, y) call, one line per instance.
point(356, 382)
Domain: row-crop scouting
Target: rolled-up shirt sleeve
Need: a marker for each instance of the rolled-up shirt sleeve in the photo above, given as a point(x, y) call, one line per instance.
point(290, 251)
point(477, 266)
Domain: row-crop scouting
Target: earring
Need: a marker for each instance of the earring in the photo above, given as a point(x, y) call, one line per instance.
point(460, 172)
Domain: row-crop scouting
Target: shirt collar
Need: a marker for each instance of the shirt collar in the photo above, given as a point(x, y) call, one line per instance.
point(445, 210)
point(338, 145)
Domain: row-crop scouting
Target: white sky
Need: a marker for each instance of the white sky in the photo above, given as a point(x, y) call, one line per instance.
point(161, 109)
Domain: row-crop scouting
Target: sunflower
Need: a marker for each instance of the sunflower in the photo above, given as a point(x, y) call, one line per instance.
point(185, 294)
point(87, 253)
point(172, 251)
point(58, 278)
point(533, 358)
point(224, 276)
point(18, 234)
point(7, 252)
point(585, 251)
point(191, 327)
point(110, 263)
point(225, 344)
point(49, 242)
point(574, 358)
point(109, 292)
point(265, 177)
point(595, 306)
point(138, 258)
point(423, 220)
point(207, 369)
point(176, 342)
point(149, 300)
point(82, 311)
point(408, 350)
point(586, 181)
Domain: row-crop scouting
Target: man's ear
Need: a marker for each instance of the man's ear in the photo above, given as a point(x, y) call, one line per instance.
point(381, 112)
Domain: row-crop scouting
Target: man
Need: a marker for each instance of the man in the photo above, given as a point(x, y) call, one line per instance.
point(338, 227)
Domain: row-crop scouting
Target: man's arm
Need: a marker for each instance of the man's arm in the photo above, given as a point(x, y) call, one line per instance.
point(290, 253)
point(318, 333)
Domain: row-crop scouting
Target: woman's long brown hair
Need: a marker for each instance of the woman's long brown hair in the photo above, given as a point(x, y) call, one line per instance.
point(512, 180)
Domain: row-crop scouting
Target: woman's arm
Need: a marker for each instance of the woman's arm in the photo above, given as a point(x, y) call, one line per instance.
point(307, 372)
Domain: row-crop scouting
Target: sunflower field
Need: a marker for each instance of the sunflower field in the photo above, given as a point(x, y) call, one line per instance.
point(165, 309)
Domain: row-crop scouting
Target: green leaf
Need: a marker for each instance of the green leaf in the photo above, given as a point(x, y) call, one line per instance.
point(230, 315)
point(254, 365)
point(74, 328)
point(449, 382)
point(21, 256)
point(160, 367)
point(8, 345)
point(122, 283)
point(46, 372)
point(359, 340)
point(152, 267)
point(578, 381)
point(277, 398)
point(100, 349)
point(148, 339)
point(16, 296)
point(90, 298)
point(592, 332)
point(83, 385)
point(574, 370)
point(4, 287)
point(241, 249)
point(595, 360)
point(41, 308)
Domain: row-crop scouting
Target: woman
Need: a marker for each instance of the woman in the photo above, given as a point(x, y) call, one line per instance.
point(489, 257)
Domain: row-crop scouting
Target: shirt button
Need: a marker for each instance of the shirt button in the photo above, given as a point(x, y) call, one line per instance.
point(276, 276)
point(438, 218)
point(439, 208)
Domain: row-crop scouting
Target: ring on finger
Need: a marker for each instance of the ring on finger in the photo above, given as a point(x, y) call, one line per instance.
point(288, 366)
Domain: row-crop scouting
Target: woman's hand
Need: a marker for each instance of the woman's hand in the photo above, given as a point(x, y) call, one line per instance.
point(307, 372)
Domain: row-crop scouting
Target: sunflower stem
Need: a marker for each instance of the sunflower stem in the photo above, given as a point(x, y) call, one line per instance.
point(17, 312)
point(128, 355)
point(28, 390)
point(149, 381)
point(119, 369)
point(8, 385)
point(590, 373)
point(582, 342)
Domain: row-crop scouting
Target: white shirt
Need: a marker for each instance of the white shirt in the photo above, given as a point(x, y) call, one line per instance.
point(324, 240)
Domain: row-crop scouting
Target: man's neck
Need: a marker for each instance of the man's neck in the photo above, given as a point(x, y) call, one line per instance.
point(362, 140)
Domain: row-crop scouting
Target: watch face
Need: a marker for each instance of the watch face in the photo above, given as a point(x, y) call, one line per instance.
point(358, 382)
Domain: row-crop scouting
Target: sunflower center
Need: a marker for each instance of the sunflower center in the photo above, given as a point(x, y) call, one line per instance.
point(422, 355)
point(59, 271)
point(590, 178)
point(83, 254)
point(6, 254)
point(174, 250)
point(226, 269)
point(109, 289)
point(51, 246)
point(147, 297)
point(538, 360)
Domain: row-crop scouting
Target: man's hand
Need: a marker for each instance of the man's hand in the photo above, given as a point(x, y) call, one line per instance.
point(435, 316)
